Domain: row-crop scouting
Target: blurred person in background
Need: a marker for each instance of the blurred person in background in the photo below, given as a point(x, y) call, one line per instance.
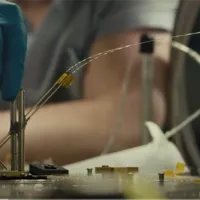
point(76, 123)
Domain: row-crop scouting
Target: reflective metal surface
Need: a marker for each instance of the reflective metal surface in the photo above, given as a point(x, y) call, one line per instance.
point(96, 186)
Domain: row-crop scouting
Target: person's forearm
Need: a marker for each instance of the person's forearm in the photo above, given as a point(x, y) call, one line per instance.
point(74, 131)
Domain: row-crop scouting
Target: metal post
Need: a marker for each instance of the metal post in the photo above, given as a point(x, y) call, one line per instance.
point(147, 50)
point(147, 90)
point(21, 138)
point(14, 150)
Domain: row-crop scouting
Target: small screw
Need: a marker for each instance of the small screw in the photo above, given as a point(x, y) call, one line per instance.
point(89, 171)
point(161, 176)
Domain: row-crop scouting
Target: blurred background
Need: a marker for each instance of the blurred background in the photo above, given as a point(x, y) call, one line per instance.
point(52, 49)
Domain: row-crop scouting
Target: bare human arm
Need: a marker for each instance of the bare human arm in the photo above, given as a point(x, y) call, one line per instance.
point(73, 131)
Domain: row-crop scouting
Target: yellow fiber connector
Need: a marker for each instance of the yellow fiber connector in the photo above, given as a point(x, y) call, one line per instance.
point(180, 168)
point(65, 80)
point(169, 173)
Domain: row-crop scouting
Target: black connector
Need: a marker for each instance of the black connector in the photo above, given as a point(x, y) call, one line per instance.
point(43, 169)
point(15, 128)
point(147, 44)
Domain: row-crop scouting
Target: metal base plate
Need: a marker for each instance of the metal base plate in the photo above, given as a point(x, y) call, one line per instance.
point(96, 186)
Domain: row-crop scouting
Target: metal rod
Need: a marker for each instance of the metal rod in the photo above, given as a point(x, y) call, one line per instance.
point(21, 138)
point(4, 138)
point(2, 165)
point(13, 134)
point(147, 89)
point(146, 50)
point(5, 141)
